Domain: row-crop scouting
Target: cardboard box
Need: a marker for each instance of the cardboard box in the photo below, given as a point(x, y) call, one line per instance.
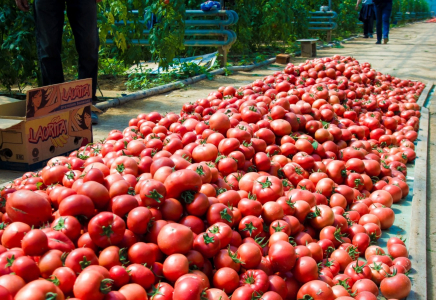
point(53, 121)
point(283, 58)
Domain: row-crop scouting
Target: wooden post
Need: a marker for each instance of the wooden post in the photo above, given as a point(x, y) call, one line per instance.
point(222, 51)
point(329, 36)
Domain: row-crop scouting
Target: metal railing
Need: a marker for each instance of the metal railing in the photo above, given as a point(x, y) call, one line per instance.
point(412, 16)
point(221, 37)
point(322, 20)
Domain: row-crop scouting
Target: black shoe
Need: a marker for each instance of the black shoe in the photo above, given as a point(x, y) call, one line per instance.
point(94, 118)
point(365, 36)
point(378, 42)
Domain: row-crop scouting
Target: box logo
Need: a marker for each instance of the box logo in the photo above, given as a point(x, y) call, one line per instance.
point(55, 128)
point(78, 91)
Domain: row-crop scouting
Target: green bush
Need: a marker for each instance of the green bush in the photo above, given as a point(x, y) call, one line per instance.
point(18, 59)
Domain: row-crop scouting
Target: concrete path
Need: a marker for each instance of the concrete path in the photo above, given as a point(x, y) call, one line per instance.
point(410, 53)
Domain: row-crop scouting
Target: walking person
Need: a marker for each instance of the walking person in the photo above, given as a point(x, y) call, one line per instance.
point(367, 15)
point(384, 10)
point(49, 22)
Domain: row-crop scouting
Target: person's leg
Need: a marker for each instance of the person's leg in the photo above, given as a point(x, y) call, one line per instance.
point(82, 15)
point(387, 10)
point(379, 27)
point(371, 25)
point(366, 28)
point(49, 23)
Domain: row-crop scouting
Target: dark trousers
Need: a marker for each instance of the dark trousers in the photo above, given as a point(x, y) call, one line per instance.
point(368, 26)
point(49, 19)
point(383, 16)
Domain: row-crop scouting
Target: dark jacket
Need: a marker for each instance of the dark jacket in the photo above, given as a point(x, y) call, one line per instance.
point(367, 11)
point(378, 2)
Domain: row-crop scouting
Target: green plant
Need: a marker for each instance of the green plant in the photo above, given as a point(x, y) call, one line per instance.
point(167, 36)
point(17, 46)
point(179, 71)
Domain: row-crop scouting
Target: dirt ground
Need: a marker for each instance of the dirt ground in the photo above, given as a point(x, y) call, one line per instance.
point(411, 53)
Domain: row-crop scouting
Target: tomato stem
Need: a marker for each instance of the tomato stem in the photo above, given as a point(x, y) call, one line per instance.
point(106, 285)
point(84, 263)
point(188, 196)
point(51, 296)
point(249, 227)
point(225, 215)
point(208, 239)
point(155, 195)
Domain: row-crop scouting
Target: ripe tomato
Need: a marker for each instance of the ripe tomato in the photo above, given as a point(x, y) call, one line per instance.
point(250, 255)
point(28, 207)
point(80, 258)
point(321, 216)
point(181, 182)
point(188, 288)
point(64, 278)
point(106, 229)
point(358, 270)
point(161, 291)
point(267, 188)
point(40, 290)
point(305, 269)
point(91, 285)
point(175, 238)
point(282, 256)
point(141, 275)
point(257, 280)
point(226, 279)
point(316, 289)
point(207, 244)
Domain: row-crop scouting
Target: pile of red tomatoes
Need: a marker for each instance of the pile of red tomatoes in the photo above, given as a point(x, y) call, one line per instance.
point(275, 190)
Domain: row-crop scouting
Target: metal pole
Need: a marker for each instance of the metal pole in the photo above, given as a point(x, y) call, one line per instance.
point(329, 32)
point(222, 50)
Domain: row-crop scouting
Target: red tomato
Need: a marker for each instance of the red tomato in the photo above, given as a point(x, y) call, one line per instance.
point(226, 279)
point(305, 269)
point(282, 256)
point(257, 280)
point(317, 290)
point(106, 229)
point(80, 258)
point(175, 238)
point(28, 207)
point(39, 290)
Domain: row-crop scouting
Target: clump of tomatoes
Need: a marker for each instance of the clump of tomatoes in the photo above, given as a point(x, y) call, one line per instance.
point(275, 190)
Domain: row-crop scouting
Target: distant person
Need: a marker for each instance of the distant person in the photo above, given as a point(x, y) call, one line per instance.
point(367, 15)
point(383, 9)
point(49, 22)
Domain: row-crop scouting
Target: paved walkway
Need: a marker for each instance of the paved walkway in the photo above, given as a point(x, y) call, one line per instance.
point(410, 53)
